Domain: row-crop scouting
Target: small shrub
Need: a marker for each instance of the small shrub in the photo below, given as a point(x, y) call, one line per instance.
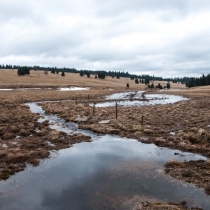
point(187, 173)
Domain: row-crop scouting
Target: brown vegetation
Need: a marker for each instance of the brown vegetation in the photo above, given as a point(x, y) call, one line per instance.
point(24, 140)
point(195, 172)
point(183, 125)
point(37, 79)
point(167, 206)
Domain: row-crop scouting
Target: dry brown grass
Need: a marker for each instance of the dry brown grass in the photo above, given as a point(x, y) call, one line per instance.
point(173, 163)
point(21, 143)
point(196, 172)
point(9, 78)
point(167, 206)
point(184, 118)
point(98, 87)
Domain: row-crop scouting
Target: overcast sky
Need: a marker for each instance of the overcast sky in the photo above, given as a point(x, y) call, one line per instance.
point(167, 38)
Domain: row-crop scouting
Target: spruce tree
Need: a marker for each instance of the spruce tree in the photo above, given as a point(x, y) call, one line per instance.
point(20, 72)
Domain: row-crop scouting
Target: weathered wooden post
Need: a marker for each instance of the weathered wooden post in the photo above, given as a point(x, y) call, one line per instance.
point(94, 108)
point(142, 120)
point(116, 110)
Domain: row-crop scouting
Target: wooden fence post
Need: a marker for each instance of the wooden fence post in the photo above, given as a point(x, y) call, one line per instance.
point(116, 110)
point(142, 120)
point(93, 108)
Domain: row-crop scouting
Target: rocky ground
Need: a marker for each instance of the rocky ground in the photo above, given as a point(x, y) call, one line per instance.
point(26, 141)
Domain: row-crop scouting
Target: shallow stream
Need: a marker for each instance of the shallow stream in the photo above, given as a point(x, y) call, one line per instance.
point(110, 172)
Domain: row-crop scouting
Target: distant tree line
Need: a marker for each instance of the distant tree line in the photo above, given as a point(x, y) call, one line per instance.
point(101, 74)
point(202, 81)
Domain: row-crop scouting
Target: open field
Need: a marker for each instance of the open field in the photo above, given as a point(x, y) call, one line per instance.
point(184, 125)
point(9, 78)
point(37, 79)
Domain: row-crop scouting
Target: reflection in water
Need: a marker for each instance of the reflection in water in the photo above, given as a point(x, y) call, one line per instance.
point(104, 174)
point(153, 99)
point(100, 173)
point(124, 95)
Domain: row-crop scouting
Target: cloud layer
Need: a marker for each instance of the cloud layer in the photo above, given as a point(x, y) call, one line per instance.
point(162, 38)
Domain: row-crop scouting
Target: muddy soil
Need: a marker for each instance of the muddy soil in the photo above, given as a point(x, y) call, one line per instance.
point(24, 141)
point(195, 172)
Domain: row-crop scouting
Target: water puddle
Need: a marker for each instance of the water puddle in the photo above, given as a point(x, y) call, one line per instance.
point(150, 99)
point(102, 174)
point(59, 89)
point(73, 89)
point(22, 89)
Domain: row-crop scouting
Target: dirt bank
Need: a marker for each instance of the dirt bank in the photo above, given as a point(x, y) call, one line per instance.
point(23, 140)
point(195, 172)
point(167, 206)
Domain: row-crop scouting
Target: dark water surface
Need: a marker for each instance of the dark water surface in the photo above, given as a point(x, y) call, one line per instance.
point(103, 174)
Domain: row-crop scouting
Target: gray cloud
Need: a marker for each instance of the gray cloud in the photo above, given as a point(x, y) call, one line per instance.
point(164, 38)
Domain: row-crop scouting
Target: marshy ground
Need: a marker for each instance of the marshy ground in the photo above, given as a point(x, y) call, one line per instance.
point(184, 125)
point(24, 140)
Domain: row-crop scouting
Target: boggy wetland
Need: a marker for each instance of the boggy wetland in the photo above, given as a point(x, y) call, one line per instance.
point(83, 143)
